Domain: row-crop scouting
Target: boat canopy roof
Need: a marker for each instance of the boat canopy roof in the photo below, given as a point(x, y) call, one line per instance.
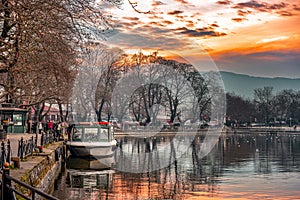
point(91, 123)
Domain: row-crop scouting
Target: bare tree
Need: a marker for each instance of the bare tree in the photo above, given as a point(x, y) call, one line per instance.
point(287, 104)
point(239, 110)
point(109, 75)
point(186, 89)
point(95, 81)
point(283, 102)
point(264, 99)
point(31, 38)
point(165, 85)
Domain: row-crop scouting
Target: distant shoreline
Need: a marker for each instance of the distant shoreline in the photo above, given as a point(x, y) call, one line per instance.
point(226, 130)
point(264, 130)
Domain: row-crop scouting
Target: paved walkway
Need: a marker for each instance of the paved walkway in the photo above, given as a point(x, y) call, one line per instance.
point(15, 137)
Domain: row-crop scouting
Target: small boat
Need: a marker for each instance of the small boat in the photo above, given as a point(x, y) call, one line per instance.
point(99, 163)
point(94, 140)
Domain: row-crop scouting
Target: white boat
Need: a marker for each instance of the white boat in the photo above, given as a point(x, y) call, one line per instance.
point(91, 140)
point(99, 163)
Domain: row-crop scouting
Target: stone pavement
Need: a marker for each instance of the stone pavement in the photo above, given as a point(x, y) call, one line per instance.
point(31, 161)
point(15, 137)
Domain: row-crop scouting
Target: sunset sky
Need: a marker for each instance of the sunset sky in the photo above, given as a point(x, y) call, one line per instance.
point(260, 38)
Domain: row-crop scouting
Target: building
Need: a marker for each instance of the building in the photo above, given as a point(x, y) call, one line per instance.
point(14, 118)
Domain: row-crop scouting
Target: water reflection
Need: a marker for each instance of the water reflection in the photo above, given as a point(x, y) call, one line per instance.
point(92, 163)
point(86, 178)
point(241, 166)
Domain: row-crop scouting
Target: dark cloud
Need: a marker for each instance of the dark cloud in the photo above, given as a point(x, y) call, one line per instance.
point(131, 18)
point(156, 23)
point(296, 7)
point(277, 8)
point(243, 13)
point(155, 17)
point(126, 25)
point(196, 15)
point(167, 22)
point(129, 22)
point(190, 24)
point(261, 6)
point(175, 12)
point(284, 13)
point(252, 4)
point(151, 30)
point(215, 25)
point(238, 19)
point(181, 1)
point(189, 21)
point(144, 41)
point(157, 3)
point(180, 17)
point(224, 2)
point(199, 32)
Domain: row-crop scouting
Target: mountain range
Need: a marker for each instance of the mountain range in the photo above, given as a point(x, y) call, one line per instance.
point(244, 85)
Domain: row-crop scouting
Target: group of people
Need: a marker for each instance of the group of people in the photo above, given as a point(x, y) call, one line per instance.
point(59, 127)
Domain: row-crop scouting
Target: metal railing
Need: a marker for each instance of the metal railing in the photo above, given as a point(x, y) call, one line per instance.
point(48, 137)
point(26, 147)
point(30, 146)
point(8, 192)
point(5, 152)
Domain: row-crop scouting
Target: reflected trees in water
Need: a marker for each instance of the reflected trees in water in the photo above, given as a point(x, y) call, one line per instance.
point(235, 161)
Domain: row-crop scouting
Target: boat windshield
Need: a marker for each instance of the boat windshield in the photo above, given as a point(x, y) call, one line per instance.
point(94, 133)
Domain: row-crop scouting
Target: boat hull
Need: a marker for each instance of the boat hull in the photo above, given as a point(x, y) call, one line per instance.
point(94, 149)
point(98, 163)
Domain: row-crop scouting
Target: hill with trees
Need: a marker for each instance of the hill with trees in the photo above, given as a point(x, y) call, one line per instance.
point(244, 85)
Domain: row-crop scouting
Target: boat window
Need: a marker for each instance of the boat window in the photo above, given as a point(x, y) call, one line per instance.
point(104, 134)
point(91, 134)
point(77, 134)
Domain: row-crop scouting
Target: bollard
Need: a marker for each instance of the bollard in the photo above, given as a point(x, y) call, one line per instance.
point(21, 148)
point(31, 146)
point(5, 182)
point(54, 138)
point(64, 152)
point(8, 151)
point(42, 139)
point(2, 153)
point(16, 161)
point(36, 139)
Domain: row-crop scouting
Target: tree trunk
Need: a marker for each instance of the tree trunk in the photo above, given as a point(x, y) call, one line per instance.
point(61, 114)
point(99, 111)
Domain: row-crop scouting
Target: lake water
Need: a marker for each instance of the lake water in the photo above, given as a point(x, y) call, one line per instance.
point(240, 166)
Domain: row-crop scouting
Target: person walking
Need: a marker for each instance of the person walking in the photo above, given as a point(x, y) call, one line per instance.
point(50, 125)
point(59, 129)
point(40, 127)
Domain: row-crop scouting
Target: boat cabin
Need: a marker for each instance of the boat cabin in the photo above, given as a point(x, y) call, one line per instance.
point(92, 133)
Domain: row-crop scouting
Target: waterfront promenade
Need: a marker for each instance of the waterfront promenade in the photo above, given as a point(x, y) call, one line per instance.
point(31, 161)
point(14, 139)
